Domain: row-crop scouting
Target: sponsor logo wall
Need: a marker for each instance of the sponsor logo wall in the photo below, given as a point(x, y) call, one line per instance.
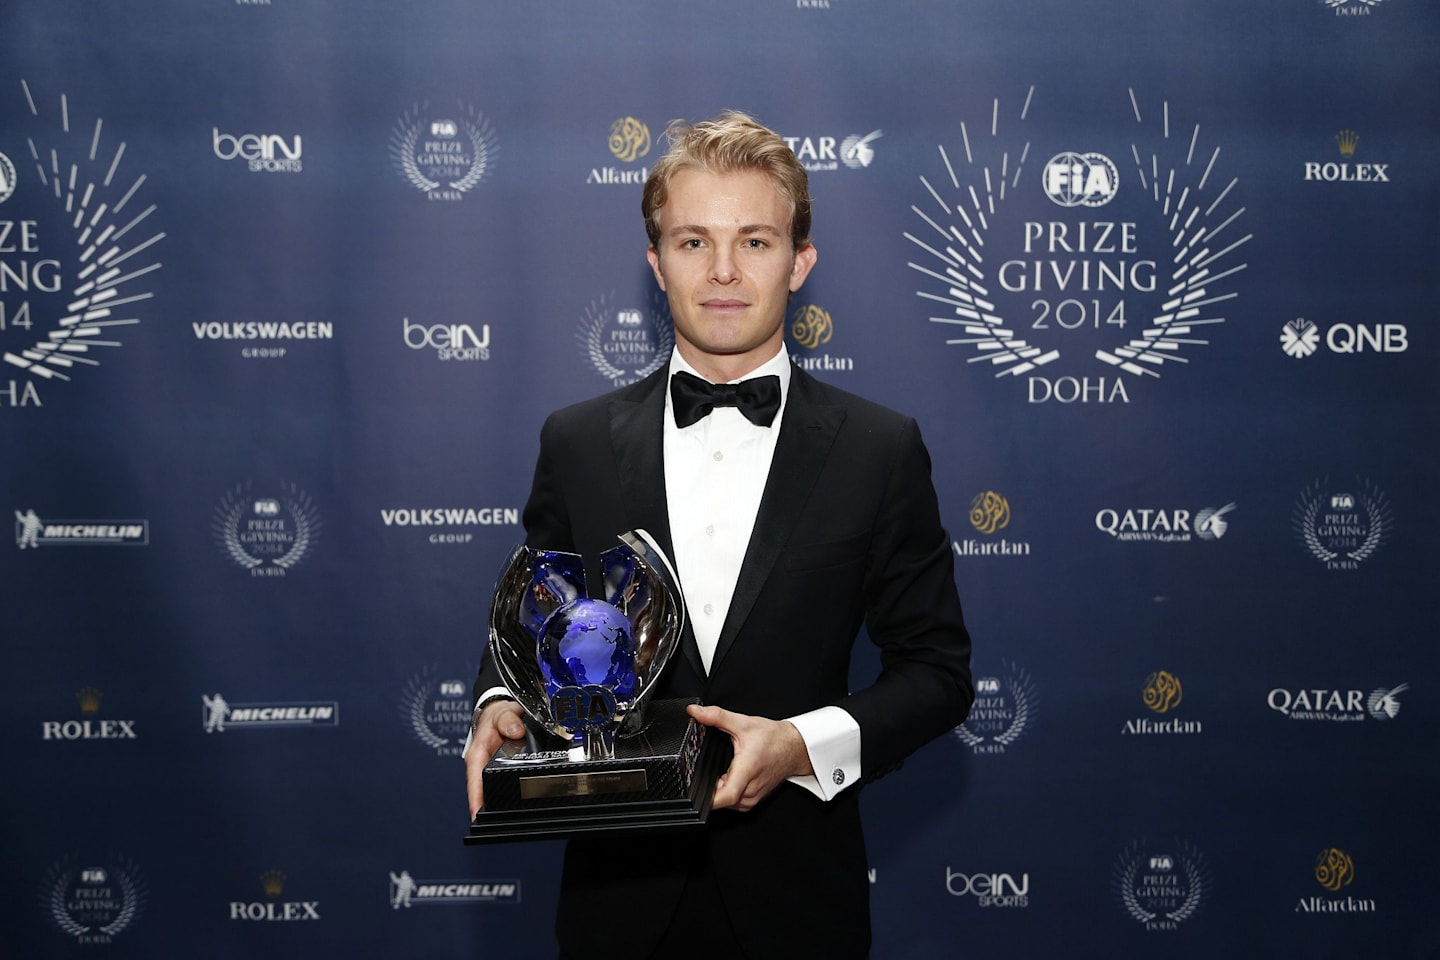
point(287, 291)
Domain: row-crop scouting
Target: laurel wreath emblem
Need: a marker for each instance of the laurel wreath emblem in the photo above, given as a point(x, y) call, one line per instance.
point(1371, 503)
point(476, 128)
point(963, 212)
point(120, 870)
point(1197, 883)
point(1023, 701)
point(597, 319)
point(418, 692)
point(297, 503)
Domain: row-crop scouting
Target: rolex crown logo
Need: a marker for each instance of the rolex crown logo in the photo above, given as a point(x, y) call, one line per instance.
point(1346, 141)
point(89, 700)
point(273, 882)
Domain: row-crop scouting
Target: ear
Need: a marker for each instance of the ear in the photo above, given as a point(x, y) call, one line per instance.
point(653, 256)
point(804, 262)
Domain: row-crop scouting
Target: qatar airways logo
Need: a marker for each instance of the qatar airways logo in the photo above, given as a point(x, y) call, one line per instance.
point(1164, 524)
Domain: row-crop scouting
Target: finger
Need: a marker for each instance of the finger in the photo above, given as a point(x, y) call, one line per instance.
point(474, 784)
point(712, 716)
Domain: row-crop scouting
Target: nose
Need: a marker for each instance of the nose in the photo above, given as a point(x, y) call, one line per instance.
point(722, 267)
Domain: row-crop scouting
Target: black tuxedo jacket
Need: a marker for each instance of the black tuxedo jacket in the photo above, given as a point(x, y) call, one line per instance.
point(848, 531)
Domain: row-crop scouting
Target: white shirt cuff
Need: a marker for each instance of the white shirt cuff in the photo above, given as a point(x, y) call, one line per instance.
point(832, 739)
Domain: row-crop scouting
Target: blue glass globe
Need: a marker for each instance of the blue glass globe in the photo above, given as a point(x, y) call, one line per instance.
point(588, 642)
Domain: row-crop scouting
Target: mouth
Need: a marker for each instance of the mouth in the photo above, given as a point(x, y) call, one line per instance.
point(725, 306)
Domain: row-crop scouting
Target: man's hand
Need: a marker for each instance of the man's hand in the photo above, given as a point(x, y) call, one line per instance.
point(499, 721)
point(767, 752)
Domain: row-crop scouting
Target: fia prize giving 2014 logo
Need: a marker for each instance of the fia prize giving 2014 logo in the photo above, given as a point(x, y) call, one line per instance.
point(1078, 267)
point(79, 247)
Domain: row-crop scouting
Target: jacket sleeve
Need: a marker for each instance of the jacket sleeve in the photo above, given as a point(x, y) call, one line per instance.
point(913, 615)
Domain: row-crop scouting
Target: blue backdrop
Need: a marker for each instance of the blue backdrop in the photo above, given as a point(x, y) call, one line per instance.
point(287, 288)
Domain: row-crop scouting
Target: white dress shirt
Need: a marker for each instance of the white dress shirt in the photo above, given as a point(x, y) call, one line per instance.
point(715, 474)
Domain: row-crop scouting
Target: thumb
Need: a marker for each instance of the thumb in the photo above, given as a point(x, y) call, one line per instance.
point(710, 716)
point(510, 727)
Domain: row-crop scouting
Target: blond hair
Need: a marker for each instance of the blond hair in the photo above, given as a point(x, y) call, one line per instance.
point(729, 143)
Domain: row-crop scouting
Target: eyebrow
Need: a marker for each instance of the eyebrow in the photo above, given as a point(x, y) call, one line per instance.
point(746, 230)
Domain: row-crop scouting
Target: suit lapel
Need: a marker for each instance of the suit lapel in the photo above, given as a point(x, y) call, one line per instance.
point(807, 432)
point(637, 437)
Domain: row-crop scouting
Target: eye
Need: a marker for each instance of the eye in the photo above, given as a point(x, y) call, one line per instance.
point(691, 243)
point(755, 243)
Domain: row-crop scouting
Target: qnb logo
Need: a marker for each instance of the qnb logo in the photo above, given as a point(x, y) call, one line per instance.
point(1081, 179)
point(263, 152)
point(1300, 338)
point(990, 889)
point(450, 341)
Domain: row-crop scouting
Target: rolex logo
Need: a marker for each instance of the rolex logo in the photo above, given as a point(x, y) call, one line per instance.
point(89, 700)
point(273, 883)
point(1346, 141)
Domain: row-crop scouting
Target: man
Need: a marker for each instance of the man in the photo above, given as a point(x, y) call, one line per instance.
point(788, 530)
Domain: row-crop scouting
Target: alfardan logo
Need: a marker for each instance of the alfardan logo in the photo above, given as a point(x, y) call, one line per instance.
point(811, 327)
point(1163, 691)
point(990, 514)
point(629, 141)
point(1162, 694)
point(1335, 871)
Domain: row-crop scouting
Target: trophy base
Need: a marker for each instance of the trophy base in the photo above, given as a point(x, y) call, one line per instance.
point(662, 777)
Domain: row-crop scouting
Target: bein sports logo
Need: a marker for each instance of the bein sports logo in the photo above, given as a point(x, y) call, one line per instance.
point(262, 152)
point(450, 341)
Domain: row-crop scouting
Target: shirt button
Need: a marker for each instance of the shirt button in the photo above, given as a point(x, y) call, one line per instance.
point(710, 530)
point(718, 456)
point(709, 609)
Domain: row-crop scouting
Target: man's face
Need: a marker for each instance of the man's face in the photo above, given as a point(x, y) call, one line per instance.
point(726, 263)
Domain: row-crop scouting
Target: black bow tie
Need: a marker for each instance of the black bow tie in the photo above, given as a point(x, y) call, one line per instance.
point(757, 398)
